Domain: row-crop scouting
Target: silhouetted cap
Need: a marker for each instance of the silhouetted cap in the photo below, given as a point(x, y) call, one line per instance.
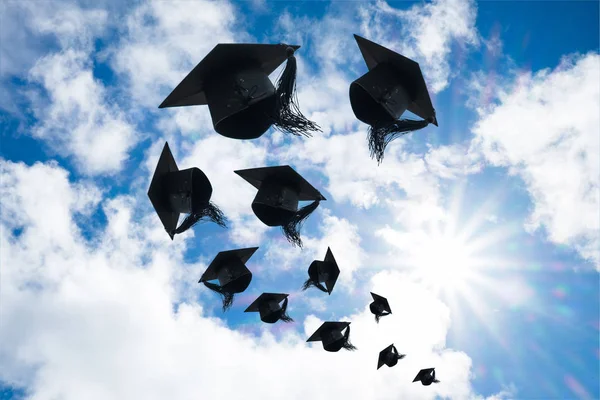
point(393, 85)
point(187, 191)
point(380, 306)
point(229, 267)
point(323, 272)
point(276, 203)
point(426, 376)
point(389, 356)
point(330, 333)
point(233, 80)
point(267, 304)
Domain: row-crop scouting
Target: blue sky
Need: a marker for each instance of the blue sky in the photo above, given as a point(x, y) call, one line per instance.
point(483, 233)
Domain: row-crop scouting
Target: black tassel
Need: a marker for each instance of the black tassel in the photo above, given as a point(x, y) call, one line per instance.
point(284, 317)
point(309, 282)
point(291, 230)
point(379, 315)
point(210, 212)
point(227, 297)
point(380, 136)
point(288, 117)
point(347, 345)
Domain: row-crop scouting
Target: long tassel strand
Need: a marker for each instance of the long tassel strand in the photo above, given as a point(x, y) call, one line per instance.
point(226, 296)
point(284, 317)
point(380, 136)
point(309, 283)
point(210, 213)
point(288, 116)
point(291, 230)
point(347, 345)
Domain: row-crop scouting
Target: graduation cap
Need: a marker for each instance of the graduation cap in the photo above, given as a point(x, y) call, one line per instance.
point(233, 80)
point(267, 304)
point(229, 268)
point(393, 85)
point(187, 191)
point(276, 203)
point(330, 333)
point(426, 376)
point(389, 356)
point(320, 272)
point(380, 306)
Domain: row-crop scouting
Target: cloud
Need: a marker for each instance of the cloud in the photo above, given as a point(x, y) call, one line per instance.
point(78, 119)
point(68, 304)
point(545, 127)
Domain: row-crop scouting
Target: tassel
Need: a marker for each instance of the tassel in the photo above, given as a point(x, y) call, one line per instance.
point(380, 136)
point(379, 315)
point(309, 282)
point(291, 230)
point(284, 317)
point(210, 212)
point(347, 345)
point(227, 297)
point(288, 117)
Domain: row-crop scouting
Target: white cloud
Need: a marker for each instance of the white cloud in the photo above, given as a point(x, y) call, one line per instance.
point(108, 305)
point(545, 128)
point(79, 121)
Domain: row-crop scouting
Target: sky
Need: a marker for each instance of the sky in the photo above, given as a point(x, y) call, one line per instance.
point(483, 233)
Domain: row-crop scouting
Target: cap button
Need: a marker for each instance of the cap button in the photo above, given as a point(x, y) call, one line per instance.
point(290, 51)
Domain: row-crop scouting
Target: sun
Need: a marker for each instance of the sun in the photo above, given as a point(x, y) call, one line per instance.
point(444, 262)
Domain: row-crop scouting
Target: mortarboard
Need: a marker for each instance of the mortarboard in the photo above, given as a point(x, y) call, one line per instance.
point(330, 333)
point(320, 272)
point(380, 306)
point(187, 191)
point(267, 304)
point(280, 189)
point(426, 376)
point(393, 85)
point(389, 356)
point(229, 267)
point(233, 80)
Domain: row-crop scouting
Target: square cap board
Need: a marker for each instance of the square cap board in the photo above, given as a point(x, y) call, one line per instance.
point(266, 297)
point(423, 373)
point(337, 326)
point(408, 69)
point(379, 299)
point(212, 272)
point(224, 57)
point(156, 192)
point(284, 174)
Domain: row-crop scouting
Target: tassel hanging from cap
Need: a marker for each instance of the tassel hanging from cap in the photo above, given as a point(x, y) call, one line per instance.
point(227, 296)
point(379, 315)
point(284, 317)
point(288, 117)
point(347, 345)
point(380, 136)
point(309, 282)
point(291, 229)
point(211, 213)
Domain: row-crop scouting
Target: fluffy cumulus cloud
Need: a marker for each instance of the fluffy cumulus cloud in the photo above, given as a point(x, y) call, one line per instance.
point(95, 319)
point(545, 127)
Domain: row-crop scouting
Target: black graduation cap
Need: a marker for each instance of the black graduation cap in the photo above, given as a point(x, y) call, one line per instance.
point(426, 376)
point(389, 356)
point(320, 272)
point(380, 306)
point(330, 333)
point(267, 304)
point(229, 267)
point(280, 189)
point(187, 191)
point(233, 80)
point(393, 85)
